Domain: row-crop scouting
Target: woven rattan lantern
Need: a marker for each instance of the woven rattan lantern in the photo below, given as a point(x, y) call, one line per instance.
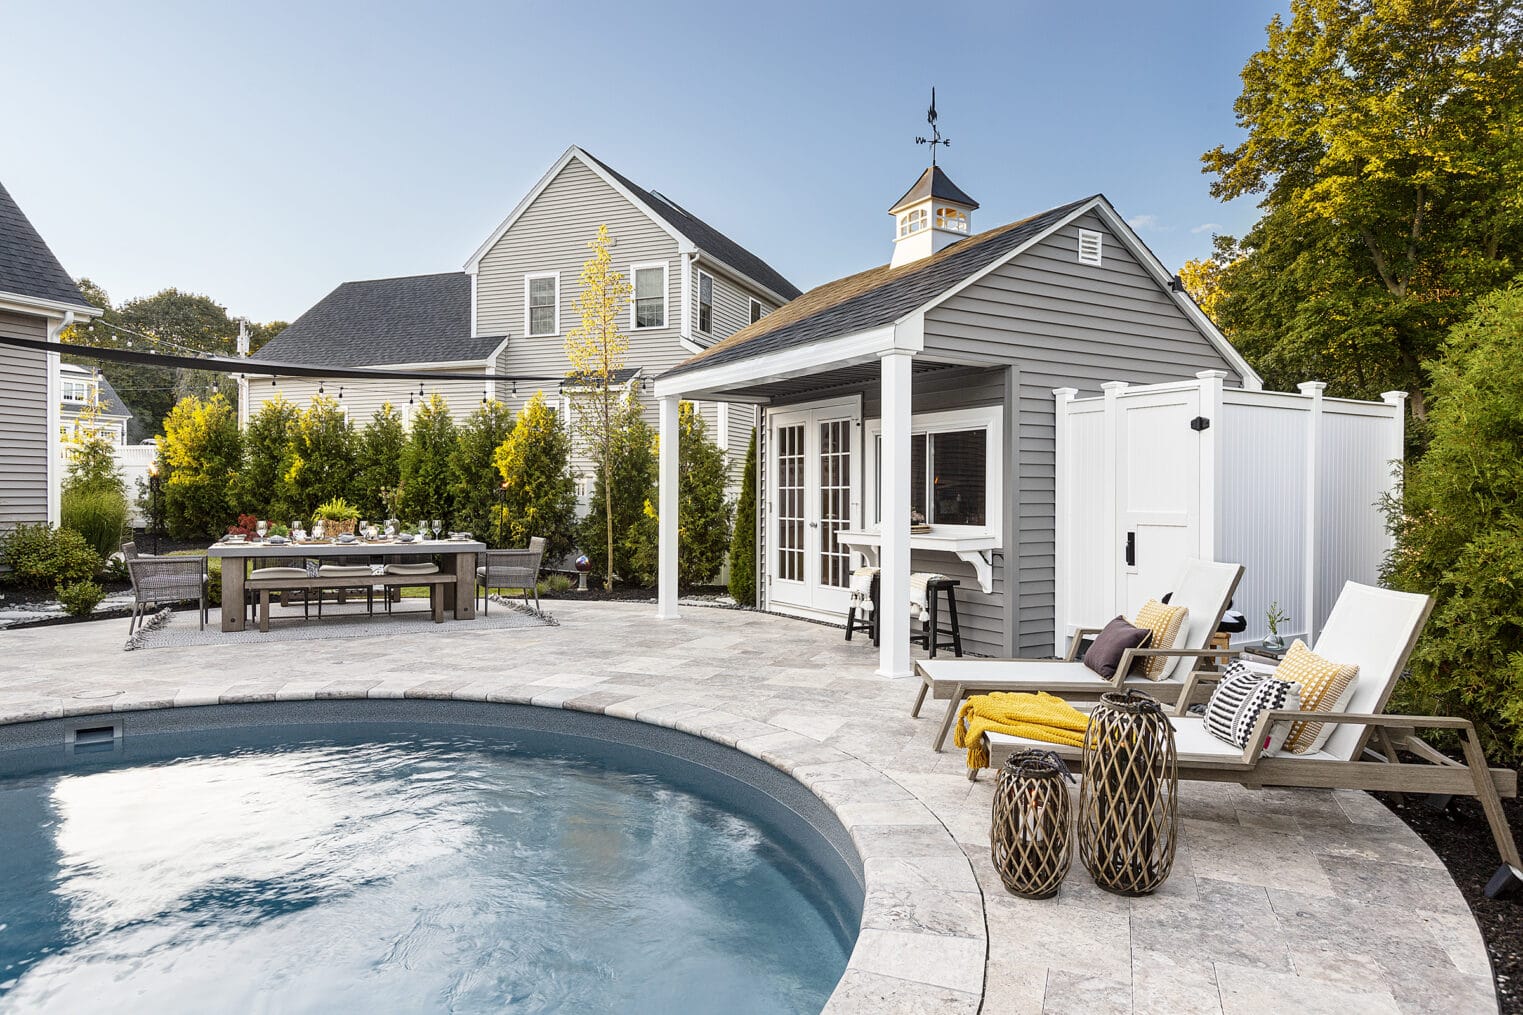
point(1029, 839)
point(1128, 800)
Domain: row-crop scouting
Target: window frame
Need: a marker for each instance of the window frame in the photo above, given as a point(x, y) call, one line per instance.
point(634, 295)
point(67, 384)
point(529, 278)
point(990, 419)
point(709, 329)
point(913, 221)
point(950, 219)
point(756, 310)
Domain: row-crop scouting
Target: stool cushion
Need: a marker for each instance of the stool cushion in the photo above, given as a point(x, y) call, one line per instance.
point(344, 571)
point(278, 572)
point(412, 568)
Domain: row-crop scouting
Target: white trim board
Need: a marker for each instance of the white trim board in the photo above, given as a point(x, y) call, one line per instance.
point(529, 331)
point(666, 296)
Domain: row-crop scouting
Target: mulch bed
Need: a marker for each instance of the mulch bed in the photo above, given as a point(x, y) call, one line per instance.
point(1461, 838)
point(627, 593)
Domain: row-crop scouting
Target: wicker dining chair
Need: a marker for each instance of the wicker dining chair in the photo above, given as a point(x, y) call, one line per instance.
point(511, 569)
point(157, 581)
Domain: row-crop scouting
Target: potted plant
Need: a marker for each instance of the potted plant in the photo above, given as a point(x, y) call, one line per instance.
point(337, 515)
point(1274, 617)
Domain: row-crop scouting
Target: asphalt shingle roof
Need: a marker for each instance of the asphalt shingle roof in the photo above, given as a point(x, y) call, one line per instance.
point(415, 319)
point(933, 183)
point(705, 237)
point(27, 266)
point(873, 298)
point(110, 402)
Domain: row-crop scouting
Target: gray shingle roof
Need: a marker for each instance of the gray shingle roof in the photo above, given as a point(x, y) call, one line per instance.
point(875, 297)
point(415, 319)
point(110, 402)
point(933, 183)
point(27, 266)
point(704, 236)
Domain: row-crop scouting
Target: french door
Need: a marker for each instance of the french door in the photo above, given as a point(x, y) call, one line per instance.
point(815, 459)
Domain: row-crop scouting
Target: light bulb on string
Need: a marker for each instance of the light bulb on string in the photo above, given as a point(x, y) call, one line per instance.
point(340, 392)
point(319, 387)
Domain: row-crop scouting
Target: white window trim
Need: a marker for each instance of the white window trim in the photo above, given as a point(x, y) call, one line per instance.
point(1087, 236)
point(698, 302)
point(666, 310)
point(990, 419)
point(755, 310)
point(528, 316)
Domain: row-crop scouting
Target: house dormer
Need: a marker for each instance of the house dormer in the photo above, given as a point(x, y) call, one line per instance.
point(932, 215)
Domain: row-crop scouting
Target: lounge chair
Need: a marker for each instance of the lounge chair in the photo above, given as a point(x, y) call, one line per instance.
point(1377, 629)
point(1203, 586)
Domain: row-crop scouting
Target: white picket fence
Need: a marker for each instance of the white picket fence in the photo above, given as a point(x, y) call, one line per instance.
point(132, 460)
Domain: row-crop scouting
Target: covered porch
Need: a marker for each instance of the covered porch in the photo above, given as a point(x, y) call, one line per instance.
point(845, 471)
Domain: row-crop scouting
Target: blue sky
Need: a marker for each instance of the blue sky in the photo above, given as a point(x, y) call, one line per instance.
point(263, 153)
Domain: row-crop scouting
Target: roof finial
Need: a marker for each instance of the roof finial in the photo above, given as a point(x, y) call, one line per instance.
point(935, 138)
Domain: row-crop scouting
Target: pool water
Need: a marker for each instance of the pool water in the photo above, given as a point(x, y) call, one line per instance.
point(383, 868)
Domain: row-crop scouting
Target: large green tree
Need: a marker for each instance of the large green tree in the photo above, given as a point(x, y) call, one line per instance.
point(379, 460)
point(474, 478)
point(427, 484)
point(202, 451)
point(266, 453)
point(1386, 140)
point(321, 463)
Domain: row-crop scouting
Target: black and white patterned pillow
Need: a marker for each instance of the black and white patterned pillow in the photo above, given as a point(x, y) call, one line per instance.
point(1240, 698)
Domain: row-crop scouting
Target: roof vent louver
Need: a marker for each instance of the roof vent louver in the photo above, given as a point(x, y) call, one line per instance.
point(1090, 244)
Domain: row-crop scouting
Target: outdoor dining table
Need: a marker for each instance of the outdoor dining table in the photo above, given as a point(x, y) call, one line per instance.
point(456, 556)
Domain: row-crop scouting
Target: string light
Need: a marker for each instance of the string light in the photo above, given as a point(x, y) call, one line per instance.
point(340, 392)
point(319, 387)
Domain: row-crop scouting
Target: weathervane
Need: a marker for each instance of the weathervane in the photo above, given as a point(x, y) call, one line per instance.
point(935, 138)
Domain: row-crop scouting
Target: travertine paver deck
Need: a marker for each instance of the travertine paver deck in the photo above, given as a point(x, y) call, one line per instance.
point(1281, 900)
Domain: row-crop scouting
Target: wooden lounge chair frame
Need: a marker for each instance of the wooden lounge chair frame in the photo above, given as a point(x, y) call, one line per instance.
point(934, 679)
point(1441, 775)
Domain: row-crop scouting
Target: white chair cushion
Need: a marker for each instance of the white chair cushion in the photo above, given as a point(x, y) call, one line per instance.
point(1024, 675)
point(278, 572)
point(344, 571)
point(412, 568)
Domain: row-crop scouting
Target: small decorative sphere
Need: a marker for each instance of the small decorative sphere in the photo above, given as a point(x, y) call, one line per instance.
point(583, 564)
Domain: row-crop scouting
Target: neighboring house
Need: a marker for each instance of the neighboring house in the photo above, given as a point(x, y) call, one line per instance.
point(79, 390)
point(509, 310)
point(37, 300)
point(956, 347)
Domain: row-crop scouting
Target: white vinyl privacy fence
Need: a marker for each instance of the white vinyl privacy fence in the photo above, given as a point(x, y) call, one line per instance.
point(132, 460)
point(1287, 484)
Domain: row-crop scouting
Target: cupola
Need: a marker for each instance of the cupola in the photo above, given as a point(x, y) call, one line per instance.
point(932, 215)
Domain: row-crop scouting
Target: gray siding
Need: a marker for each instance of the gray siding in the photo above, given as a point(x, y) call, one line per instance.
point(23, 424)
point(732, 304)
point(363, 397)
point(1065, 324)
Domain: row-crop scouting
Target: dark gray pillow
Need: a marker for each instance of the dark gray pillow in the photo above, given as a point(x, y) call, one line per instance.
point(1105, 652)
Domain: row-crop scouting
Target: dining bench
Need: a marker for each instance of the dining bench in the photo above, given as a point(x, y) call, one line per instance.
point(436, 582)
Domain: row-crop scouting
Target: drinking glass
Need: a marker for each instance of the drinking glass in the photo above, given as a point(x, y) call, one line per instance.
point(296, 529)
point(364, 530)
point(317, 529)
point(391, 527)
point(262, 528)
point(436, 526)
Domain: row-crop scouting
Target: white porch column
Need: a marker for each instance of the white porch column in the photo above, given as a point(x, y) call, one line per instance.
point(894, 553)
point(666, 480)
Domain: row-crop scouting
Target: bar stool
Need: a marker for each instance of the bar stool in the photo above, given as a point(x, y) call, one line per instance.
point(929, 634)
point(862, 615)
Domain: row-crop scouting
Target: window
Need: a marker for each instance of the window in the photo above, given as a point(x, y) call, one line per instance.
point(649, 304)
point(542, 296)
point(954, 469)
point(1089, 246)
point(912, 222)
point(756, 311)
point(76, 391)
point(705, 303)
point(951, 219)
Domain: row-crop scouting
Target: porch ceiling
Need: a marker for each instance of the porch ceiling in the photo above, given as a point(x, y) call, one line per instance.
point(823, 382)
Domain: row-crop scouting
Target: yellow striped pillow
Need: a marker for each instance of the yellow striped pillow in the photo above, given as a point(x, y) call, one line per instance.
point(1166, 622)
point(1326, 686)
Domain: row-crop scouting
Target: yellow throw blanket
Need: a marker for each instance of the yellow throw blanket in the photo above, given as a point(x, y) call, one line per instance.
point(1039, 716)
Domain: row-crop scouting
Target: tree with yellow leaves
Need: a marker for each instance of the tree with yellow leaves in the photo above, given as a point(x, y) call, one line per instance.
point(596, 349)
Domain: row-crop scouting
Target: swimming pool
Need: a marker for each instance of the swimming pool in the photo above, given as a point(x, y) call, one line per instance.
point(411, 856)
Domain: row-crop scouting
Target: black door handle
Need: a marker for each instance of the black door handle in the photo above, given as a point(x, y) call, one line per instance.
point(1131, 549)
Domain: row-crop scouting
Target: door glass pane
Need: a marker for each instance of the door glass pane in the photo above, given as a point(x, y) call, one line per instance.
point(957, 463)
point(835, 501)
point(790, 503)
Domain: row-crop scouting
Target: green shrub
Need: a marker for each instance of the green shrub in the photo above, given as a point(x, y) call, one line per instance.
point(631, 449)
point(98, 513)
point(1459, 531)
point(555, 583)
point(202, 451)
point(266, 448)
point(475, 483)
point(703, 511)
point(426, 478)
point(320, 461)
point(79, 599)
point(378, 460)
point(743, 541)
point(44, 557)
point(540, 497)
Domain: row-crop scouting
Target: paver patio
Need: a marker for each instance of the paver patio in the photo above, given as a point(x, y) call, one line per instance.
point(1303, 900)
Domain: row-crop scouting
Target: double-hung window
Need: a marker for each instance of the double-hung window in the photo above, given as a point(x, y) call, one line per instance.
point(76, 391)
point(705, 303)
point(542, 300)
point(648, 308)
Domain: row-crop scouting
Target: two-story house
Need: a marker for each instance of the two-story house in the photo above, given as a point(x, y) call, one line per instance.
point(508, 311)
point(85, 392)
point(37, 300)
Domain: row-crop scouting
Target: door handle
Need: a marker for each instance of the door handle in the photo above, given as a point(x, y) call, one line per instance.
point(1131, 549)
point(814, 525)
